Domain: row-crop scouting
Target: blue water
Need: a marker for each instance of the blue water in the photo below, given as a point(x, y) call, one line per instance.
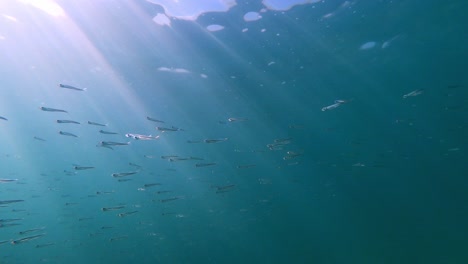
point(380, 177)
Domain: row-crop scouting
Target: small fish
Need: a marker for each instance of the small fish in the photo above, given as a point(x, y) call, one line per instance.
point(107, 132)
point(105, 209)
point(10, 201)
point(169, 157)
point(169, 199)
point(194, 141)
point(237, 119)
point(204, 164)
point(60, 121)
point(276, 146)
point(30, 231)
point(8, 225)
point(96, 124)
point(178, 159)
point(154, 120)
point(335, 105)
point(48, 109)
point(40, 139)
point(215, 140)
point(292, 155)
point(413, 93)
point(141, 137)
point(117, 238)
point(151, 185)
point(10, 220)
point(67, 134)
point(169, 129)
point(7, 180)
point(123, 174)
point(127, 213)
point(3, 118)
point(71, 87)
point(26, 239)
point(246, 166)
point(105, 192)
point(85, 218)
point(112, 143)
point(82, 168)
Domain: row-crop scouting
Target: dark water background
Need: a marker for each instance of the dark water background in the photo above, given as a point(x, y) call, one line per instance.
point(380, 179)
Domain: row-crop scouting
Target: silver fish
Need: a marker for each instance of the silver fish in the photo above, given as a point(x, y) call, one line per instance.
point(7, 180)
point(82, 168)
point(107, 132)
point(204, 164)
point(8, 225)
point(105, 209)
point(123, 174)
point(48, 109)
point(71, 87)
point(3, 118)
point(119, 237)
point(169, 199)
point(26, 239)
point(31, 230)
point(127, 213)
point(10, 220)
point(215, 140)
point(111, 143)
point(413, 93)
point(61, 121)
point(141, 137)
point(10, 201)
point(147, 185)
point(169, 129)
point(67, 134)
point(96, 124)
point(335, 105)
point(237, 119)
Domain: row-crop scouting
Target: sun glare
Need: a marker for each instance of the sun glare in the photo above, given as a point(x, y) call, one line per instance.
point(48, 6)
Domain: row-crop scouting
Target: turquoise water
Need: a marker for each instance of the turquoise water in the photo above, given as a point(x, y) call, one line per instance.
point(378, 177)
